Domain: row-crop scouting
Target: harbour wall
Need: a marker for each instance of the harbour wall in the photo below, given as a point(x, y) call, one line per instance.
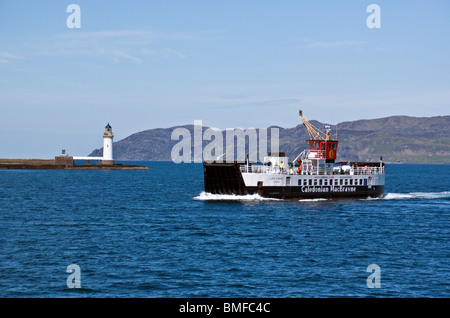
point(63, 163)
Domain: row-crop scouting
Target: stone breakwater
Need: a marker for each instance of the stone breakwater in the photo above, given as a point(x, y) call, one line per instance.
point(62, 163)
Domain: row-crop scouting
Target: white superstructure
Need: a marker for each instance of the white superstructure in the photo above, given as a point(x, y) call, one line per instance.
point(313, 175)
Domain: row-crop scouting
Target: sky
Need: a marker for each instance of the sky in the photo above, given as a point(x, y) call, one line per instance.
point(141, 65)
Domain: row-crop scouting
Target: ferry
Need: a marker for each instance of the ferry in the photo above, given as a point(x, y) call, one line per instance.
point(314, 173)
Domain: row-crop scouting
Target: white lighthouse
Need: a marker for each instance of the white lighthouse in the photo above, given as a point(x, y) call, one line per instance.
point(108, 146)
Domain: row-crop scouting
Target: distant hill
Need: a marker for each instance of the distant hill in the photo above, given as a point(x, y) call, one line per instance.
point(398, 139)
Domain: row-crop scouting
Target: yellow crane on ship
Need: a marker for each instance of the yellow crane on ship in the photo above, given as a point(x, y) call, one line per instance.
point(314, 132)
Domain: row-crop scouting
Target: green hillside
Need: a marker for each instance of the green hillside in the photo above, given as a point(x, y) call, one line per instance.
point(398, 139)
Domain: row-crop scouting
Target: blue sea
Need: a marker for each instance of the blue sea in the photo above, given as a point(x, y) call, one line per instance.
point(155, 233)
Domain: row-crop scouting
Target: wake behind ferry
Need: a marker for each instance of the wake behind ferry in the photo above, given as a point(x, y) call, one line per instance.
point(312, 174)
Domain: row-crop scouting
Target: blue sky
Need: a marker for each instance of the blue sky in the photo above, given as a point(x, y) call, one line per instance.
point(250, 63)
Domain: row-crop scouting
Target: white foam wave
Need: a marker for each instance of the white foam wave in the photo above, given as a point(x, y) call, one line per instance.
point(312, 200)
point(372, 199)
point(206, 196)
point(397, 196)
point(417, 195)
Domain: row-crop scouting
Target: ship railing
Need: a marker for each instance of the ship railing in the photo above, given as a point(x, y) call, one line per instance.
point(303, 155)
point(366, 170)
point(317, 154)
point(311, 171)
point(263, 169)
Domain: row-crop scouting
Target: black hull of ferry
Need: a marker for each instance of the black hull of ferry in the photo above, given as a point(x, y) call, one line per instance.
point(294, 192)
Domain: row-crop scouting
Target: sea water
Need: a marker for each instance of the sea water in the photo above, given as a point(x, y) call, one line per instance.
point(156, 233)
